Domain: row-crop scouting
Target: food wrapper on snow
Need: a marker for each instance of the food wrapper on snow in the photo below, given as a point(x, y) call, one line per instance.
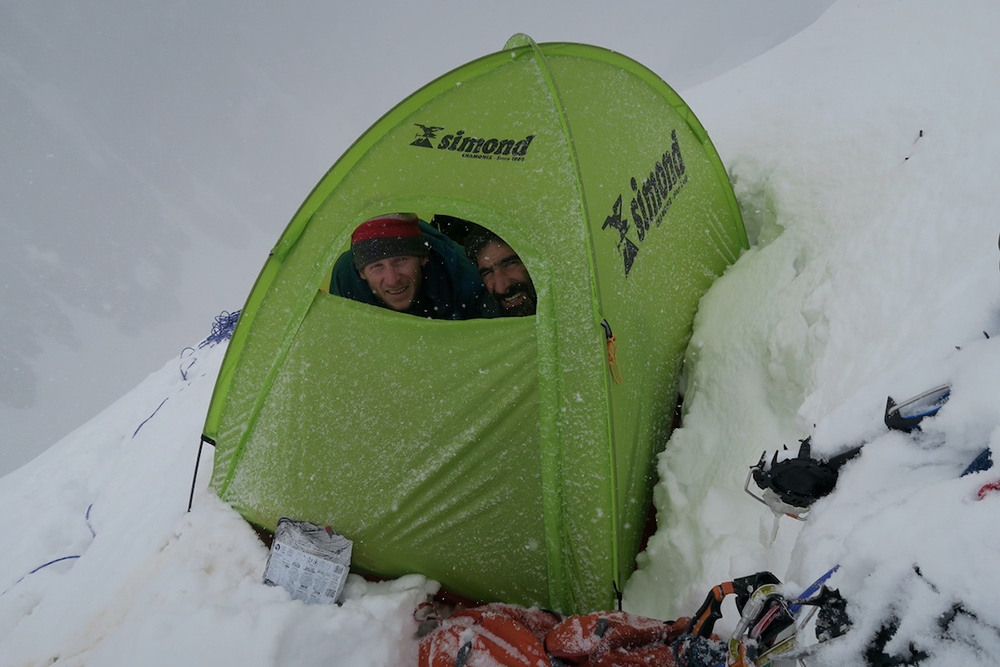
point(309, 561)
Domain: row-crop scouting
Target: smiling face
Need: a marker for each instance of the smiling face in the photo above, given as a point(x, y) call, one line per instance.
point(507, 279)
point(395, 280)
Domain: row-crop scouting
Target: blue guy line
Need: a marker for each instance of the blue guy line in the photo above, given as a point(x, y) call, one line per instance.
point(222, 329)
point(150, 416)
point(87, 518)
point(40, 567)
point(56, 560)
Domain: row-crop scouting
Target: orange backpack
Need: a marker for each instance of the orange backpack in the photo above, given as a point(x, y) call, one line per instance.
point(493, 635)
point(608, 637)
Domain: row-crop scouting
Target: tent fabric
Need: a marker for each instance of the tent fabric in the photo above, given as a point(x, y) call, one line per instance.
point(498, 456)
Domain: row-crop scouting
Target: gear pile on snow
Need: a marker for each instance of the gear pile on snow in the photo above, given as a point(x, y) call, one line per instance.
point(500, 635)
point(503, 635)
point(772, 630)
point(791, 485)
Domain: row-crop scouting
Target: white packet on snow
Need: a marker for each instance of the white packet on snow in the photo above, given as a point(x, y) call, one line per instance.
point(308, 561)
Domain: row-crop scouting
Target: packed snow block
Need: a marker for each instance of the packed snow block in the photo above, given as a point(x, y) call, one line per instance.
point(506, 458)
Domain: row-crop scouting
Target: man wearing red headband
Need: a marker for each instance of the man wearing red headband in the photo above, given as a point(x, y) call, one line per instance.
point(401, 263)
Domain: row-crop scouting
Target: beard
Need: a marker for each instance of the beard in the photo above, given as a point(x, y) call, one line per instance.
point(524, 299)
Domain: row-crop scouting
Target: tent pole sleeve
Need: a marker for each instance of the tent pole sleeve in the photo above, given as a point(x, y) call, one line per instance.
point(596, 311)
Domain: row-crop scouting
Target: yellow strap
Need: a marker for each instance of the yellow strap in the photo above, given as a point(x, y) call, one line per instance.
point(616, 373)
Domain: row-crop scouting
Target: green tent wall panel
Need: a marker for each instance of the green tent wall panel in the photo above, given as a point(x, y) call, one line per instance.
point(500, 457)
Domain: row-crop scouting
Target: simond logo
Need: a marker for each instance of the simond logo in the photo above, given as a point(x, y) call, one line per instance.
point(428, 132)
point(504, 150)
point(650, 201)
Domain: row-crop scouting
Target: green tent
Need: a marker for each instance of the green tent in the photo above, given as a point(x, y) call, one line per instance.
point(510, 459)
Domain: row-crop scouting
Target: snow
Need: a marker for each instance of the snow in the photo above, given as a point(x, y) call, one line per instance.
point(874, 274)
point(862, 152)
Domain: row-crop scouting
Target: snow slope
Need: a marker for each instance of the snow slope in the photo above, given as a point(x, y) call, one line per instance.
point(862, 151)
point(153, 584)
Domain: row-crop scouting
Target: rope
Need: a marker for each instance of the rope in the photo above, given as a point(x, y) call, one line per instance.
point(55, 560)
point(40, 567)
point(87, 517)
point(222, 329)
point(146, 420)
point(187, 351)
